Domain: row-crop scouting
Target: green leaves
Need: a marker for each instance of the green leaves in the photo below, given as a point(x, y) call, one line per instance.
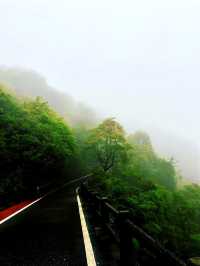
point(108, 144)
point(145, 163)
point(35, 142)
point(146, 185)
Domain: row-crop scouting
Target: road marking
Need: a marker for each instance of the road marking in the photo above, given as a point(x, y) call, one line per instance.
point(88, 246)
point(47, 194)
point(17, 212)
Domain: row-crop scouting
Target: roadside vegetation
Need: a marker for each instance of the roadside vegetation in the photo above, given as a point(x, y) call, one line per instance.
point(130, 173)
point(38, 148)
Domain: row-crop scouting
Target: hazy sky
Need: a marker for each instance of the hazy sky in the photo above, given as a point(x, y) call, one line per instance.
point(136, 60)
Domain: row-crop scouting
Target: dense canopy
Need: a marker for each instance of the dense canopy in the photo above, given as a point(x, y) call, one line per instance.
point(35, 144)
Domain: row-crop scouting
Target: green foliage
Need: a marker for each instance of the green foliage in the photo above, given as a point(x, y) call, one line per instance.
point(172, 217)
point(86, 160)
point(108, 144)
point(146, 185)
point(35, 144)
point(146, 164)
point(141, 139)
point(37, 148)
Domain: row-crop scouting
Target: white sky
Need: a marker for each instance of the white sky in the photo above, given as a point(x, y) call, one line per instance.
point(136, 60)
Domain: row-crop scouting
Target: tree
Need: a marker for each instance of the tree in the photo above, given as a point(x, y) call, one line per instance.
point(145, 163)
point(109, 144)
point(36, 146)
point(142, 140)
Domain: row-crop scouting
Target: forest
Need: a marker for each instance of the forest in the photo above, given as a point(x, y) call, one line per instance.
point(38, 147)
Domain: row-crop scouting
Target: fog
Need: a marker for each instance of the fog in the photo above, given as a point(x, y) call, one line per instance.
point(137, 61)
point(30, 84)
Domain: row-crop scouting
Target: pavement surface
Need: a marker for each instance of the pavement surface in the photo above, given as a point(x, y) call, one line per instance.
point(47, 234)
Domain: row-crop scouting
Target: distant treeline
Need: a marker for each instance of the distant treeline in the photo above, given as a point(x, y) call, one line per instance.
point(36, 145)
point(28, 83)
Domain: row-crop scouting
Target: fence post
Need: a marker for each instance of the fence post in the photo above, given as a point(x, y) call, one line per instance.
point(128, 255)
point(103, 210)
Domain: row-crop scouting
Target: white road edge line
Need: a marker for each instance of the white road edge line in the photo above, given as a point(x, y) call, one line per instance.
point(29, 205)
point(21, 210)
point(87, 242)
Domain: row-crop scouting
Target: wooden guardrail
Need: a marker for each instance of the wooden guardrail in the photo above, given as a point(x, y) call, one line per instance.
point(136, 246)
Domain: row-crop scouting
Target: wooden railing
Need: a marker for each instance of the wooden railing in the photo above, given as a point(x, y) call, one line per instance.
point(136, 246)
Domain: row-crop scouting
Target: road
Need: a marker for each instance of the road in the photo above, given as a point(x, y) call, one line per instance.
point(47, 234)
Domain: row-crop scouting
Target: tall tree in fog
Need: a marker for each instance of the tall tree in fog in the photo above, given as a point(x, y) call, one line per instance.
point(109, 144)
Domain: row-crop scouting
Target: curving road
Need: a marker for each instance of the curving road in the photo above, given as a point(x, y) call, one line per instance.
point(47, 234)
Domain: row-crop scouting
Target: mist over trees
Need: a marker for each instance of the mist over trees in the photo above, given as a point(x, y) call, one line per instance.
point(28, 83)
point(137, 64)
point(145, 184)
point(185, 153)
point(36, 146)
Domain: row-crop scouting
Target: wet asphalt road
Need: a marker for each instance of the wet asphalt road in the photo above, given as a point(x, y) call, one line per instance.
point(47, 234)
